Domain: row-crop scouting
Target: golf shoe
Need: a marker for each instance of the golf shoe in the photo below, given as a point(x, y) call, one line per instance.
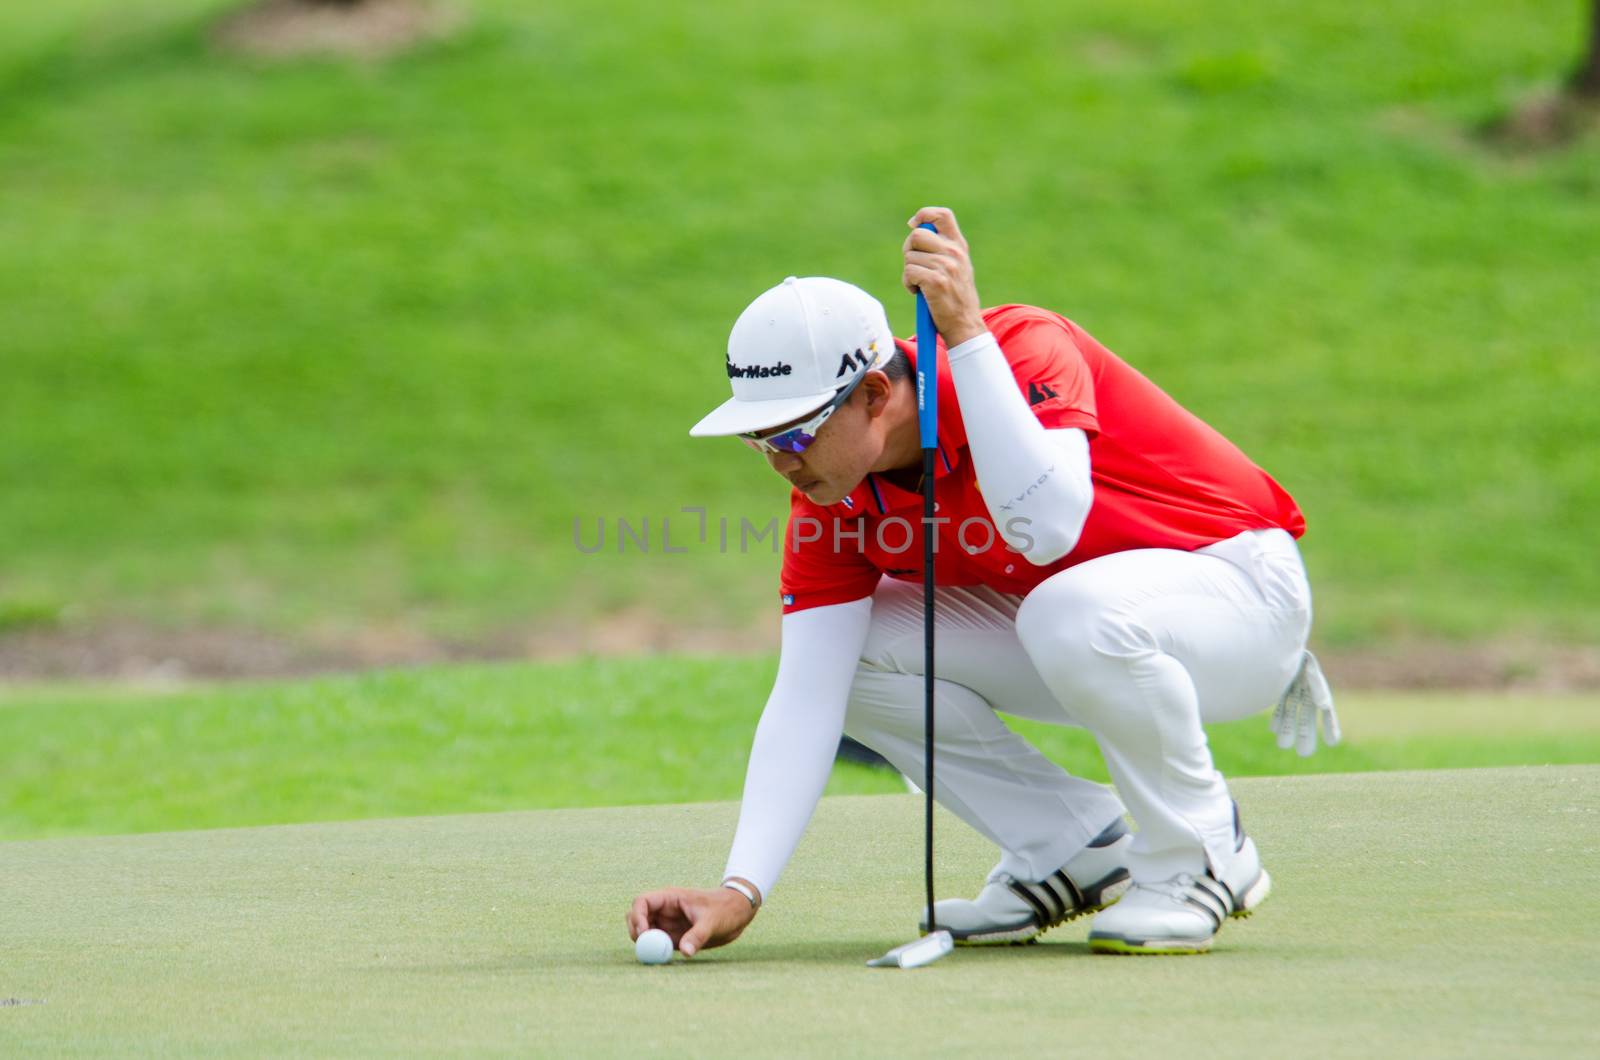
point(1183, 914)
point(1009, 911)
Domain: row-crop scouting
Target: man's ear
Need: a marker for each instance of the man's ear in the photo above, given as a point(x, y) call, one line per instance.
point(876, 387)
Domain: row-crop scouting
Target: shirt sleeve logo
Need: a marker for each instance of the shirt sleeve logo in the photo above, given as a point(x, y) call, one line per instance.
point(1038, 392)
point(788, 599)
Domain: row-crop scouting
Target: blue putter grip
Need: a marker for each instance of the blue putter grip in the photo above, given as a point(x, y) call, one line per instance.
point(927, 369)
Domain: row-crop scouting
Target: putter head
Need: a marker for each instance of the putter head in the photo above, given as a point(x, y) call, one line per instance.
point(915, 954)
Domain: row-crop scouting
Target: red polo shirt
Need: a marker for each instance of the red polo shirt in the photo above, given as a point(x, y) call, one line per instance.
point(1162, 479)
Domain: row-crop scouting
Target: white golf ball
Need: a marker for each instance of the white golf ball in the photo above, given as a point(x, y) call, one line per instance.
point(654, 947)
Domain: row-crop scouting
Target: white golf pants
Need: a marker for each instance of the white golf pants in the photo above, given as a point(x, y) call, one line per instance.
point(1138, 647)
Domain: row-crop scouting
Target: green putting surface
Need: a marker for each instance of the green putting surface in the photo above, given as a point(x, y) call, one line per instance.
point(1442, 913)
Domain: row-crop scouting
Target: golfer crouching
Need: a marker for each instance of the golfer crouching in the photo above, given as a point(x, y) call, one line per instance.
point(1105, 559)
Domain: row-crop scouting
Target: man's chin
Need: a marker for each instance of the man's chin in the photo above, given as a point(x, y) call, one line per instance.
point(823, 494)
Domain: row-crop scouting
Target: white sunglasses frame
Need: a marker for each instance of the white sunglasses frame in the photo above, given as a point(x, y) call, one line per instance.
point(761, 444)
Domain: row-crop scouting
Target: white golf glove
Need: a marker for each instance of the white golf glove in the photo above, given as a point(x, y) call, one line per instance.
point(1307, 702)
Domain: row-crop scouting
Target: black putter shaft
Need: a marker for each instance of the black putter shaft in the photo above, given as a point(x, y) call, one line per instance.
point(928, 434)
point(928, 526)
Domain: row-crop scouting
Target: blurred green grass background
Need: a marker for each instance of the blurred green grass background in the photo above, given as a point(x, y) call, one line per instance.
point(87, 760)
point(324, 345)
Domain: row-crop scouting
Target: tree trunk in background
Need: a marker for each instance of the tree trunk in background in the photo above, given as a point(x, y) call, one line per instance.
point(1586, 78)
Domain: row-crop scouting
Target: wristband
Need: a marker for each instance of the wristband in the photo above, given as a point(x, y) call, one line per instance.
point(745, 889)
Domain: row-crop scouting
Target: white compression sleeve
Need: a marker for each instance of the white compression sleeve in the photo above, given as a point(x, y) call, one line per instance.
point(797, 737)
point(1026, 472)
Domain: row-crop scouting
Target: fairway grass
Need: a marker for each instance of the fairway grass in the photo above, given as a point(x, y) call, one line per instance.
point(81, 760)
point(1417, 914)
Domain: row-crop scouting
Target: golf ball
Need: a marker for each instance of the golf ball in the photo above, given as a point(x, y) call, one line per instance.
point(654, 947)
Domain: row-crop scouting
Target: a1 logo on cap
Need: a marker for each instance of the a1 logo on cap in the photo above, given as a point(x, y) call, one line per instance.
point(855, 360)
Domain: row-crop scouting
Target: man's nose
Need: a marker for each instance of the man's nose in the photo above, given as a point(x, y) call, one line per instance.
point(784, 462)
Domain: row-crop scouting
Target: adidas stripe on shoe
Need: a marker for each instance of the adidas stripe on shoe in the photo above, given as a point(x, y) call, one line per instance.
point(1183, 914)
point(1011, 911)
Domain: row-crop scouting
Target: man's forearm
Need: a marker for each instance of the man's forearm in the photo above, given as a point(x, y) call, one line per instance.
point(789, 765)
point(797, 738)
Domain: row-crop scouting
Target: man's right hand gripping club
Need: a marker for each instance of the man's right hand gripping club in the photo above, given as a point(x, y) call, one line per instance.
point(696, 919)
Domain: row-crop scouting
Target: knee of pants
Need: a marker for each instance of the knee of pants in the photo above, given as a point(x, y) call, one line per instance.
point(878, 651)
point(879, 703)
point(1081, 644)
point(895, 704)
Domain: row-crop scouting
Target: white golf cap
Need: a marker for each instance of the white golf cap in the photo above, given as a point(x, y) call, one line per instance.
point(793, 348)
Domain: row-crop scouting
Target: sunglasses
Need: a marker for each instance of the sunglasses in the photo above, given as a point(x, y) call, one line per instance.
point(798, 439)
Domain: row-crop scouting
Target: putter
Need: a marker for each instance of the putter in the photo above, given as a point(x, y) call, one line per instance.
point(935, 943)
